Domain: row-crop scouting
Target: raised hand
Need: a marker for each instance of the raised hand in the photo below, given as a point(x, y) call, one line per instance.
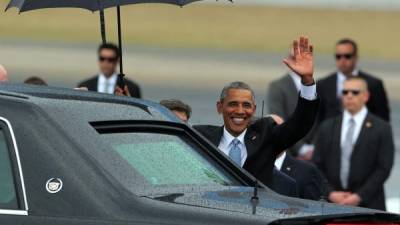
point(302, 62)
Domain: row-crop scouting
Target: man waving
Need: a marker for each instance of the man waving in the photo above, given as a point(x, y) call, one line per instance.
point(255, 144)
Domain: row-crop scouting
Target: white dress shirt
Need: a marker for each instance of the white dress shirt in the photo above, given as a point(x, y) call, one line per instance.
point(225, 144)
point(341, 78)
point(279, 161)
point(358, 119)
point(105, 85)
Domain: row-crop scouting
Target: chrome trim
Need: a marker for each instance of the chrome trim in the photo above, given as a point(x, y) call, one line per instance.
point(21, 175)
point(13, 212)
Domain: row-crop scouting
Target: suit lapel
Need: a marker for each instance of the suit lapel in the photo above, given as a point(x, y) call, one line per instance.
point(96, 83)
point(335, 95)
point(366, 126)
point(93, 83)
point(250, 140)
point(336, 147)
point(287, 166)
point(216, 135)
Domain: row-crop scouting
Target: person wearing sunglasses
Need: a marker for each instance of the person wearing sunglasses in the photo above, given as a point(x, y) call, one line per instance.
point(106, 80)
point(355, 150)
point(330, 88)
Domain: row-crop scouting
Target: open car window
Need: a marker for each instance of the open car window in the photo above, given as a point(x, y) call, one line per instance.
point(142, 161)
point(164, 159)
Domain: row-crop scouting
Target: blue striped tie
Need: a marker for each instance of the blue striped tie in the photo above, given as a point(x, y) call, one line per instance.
point(235, 153)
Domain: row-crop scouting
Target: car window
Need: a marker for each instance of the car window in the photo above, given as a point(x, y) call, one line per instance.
point(162, 160)
point(8, 196)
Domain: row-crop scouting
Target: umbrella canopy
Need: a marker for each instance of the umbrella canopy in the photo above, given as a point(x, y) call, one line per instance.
point(92, 5)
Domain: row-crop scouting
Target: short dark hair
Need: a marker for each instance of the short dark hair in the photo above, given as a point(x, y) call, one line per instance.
point(35, 81)
point(177, 105)
point(235, 85)
point(349, 41)
point(358, 78)
point(109, 46)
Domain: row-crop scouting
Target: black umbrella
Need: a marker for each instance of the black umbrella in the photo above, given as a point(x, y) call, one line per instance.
point(93, 5)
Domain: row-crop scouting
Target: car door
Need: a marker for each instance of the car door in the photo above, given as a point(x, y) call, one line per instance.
point(13, 204)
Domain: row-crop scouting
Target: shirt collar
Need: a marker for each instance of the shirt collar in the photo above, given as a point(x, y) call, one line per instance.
point(358, 117)
point(228, 137)
point(279, 161)
point(112, 78)
point(343, 77)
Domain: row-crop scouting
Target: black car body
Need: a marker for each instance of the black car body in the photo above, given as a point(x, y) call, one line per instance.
point(82, 158)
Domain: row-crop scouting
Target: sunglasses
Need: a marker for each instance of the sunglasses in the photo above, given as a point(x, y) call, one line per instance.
point(107, 59)
point(346, 56)
point(353, 92)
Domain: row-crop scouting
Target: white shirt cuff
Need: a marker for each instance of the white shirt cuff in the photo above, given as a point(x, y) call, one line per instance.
point(308, 92)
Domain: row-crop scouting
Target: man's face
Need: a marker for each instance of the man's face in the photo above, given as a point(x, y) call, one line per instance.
point(355, 95)
point(108, 61)
point(346, 59)
point(237, 110)
point(181, 115)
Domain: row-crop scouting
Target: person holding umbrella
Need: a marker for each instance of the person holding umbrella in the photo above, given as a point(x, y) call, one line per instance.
point(106, 80)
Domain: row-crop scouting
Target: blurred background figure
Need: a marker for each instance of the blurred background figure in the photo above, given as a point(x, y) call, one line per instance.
point(311, 184)
point(330, 88)
point(182, 110)
point(355, 150)
point(3, 74)
point(35, 81)
point(282, 98)
point(284, 184)
point(106, 80)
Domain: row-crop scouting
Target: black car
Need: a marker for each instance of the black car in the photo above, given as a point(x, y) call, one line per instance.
point(81, 158)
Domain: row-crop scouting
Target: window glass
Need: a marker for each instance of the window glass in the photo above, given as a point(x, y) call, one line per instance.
point(162, 160)
point(8, 197)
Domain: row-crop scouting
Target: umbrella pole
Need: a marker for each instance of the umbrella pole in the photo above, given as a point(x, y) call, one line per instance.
point(102, 26)
point(121, 82)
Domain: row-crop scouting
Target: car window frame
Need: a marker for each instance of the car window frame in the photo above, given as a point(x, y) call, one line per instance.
point(16, 169)
point(167, 127)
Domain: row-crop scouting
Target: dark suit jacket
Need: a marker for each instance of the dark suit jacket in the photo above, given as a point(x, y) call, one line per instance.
point(282, 100)
point(91, 84)
point(283, 184)
point(310, 181)
point(331, 105)
point(265, 140)
point(371, 160)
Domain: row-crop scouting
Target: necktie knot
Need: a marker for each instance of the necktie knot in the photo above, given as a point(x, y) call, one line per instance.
point(235, 142)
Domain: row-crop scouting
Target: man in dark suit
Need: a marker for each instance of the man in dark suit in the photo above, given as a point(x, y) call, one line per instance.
point(355, 151)
point(310, 182)
point(254, 145)
point(106, 80)
point(330, 88)
point(283, 184)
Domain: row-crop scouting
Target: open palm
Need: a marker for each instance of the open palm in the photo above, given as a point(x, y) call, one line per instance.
point(302, 62)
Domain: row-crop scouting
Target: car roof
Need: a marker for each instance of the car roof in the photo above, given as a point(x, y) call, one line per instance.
point(79, 100)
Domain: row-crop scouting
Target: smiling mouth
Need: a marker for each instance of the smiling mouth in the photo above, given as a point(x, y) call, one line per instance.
point(238, 120)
